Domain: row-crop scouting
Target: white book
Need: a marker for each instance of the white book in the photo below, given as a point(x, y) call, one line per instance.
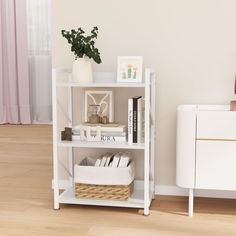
point(124, 160)
point(104, 138)
point(141, 122)
point(103, 161)
point(108, 161)
point(108, 158)
point(115, 161)
point(109, 138)
point(130, 120)
point(98, 162)
point(104, 128)
point(119, 134)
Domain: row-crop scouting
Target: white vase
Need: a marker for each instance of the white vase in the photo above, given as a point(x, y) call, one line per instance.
point(82, 70)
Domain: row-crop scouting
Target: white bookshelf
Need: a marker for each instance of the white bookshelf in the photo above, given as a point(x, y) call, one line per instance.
point(142, 196)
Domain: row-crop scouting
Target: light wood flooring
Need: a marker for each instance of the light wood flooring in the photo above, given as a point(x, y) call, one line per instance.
point(26, 200)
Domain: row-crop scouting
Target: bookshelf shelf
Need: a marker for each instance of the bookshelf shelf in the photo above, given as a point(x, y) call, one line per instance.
point(141, 197)
point(102, 80)
point(101, 85)
point(114, 145)
point(136, 200)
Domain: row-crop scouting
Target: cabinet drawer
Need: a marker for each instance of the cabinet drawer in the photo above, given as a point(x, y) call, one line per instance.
point(216, 165)
point(216, 125)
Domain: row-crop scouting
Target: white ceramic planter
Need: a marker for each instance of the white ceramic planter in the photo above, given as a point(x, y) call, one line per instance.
point(82, 70)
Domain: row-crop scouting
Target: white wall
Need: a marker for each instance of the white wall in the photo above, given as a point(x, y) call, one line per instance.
point(191, 44)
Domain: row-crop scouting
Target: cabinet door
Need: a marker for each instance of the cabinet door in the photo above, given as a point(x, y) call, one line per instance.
point(216, 125)
point(216, 165)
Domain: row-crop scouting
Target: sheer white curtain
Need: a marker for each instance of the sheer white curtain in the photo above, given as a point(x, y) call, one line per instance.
point(39, 54)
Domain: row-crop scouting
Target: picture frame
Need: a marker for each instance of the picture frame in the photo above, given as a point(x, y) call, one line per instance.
point(104, 99)
point(129, 69)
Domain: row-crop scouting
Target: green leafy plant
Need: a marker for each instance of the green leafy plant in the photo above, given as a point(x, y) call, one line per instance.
point(82, 45)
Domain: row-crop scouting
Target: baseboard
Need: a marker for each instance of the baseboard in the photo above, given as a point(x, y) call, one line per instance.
point(34, 122)
point(171, 190)
point(176, 191)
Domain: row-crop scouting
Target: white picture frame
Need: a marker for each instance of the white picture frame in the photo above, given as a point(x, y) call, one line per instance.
point(99, 97)
point(129, 69)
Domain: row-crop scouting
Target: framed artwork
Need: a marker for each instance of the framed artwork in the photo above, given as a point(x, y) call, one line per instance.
point(100, 103)
point(129, 69)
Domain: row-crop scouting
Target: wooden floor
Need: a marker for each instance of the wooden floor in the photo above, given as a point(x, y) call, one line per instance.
point(26, 200)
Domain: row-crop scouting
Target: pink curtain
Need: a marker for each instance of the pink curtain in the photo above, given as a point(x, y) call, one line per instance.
point(14, 81)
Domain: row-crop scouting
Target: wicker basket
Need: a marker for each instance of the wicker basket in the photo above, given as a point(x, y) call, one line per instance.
point(103, 192)
point(103, 182)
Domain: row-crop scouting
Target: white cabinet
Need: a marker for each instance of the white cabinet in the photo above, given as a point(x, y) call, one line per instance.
point(216, 125)
point(143, 190)
point(206, 148)
point(215, 165)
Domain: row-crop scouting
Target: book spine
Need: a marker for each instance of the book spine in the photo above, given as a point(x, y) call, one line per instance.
point(139, 121)
point(130, 120)
point(104, 138)
point(107, 138)
point(135, 116)
point(143, 122)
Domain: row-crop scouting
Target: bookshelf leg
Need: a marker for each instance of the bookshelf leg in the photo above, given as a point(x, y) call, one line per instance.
point(56, 195)
point(56, 208)
point(146, 211)
point(56, 205)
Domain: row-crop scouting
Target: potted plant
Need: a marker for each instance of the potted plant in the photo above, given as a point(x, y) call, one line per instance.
point(84, 50)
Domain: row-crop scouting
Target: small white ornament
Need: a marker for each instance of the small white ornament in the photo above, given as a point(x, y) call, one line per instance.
point(85, 134)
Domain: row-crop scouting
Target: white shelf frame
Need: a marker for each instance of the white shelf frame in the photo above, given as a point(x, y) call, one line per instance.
point(141, 198)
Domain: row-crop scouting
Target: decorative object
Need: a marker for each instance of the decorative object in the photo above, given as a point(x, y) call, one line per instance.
point(85, 134)
point(83, 48)
point(94, 117)
point(129, 69)
point(98, 103)
point(233, 103)
point(82, 70)
point(66, 134)
point(105, 120)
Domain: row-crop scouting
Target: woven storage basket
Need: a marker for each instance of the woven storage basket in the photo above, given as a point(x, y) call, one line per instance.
point(104, 182)
point(108, 192)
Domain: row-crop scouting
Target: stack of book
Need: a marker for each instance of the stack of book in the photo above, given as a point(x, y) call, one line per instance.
point(113, 132)
point(119, 160)
point(136, 123)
